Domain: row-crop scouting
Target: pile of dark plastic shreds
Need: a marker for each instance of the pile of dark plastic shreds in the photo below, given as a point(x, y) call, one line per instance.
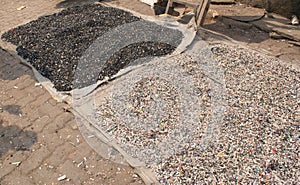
point(130, 53)
point(53, 44)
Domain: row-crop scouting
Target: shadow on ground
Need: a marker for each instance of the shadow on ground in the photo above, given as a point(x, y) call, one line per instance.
point(7, 72)
point(11, 109)
point(13, 138)
point(243, 32)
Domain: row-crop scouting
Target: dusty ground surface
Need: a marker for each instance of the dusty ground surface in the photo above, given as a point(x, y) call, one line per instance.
point(39, 140)
point(253, 36)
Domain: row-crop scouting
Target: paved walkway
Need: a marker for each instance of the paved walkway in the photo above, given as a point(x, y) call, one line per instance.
point(39, 139)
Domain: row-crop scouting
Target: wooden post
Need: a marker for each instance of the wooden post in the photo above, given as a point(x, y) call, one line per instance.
point(198, 9)
point(170, 2)
point(202, 11)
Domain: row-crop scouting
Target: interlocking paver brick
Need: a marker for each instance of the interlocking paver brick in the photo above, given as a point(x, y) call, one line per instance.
point(35, 91)
point(64, 118)
point(48, 109)
point(33, 108)
point(50, 140)
point(113, 174)
point(5, 168)
point(17, 178)
point(59, 122)
point(16, 93)
point(72, 124)
point(82, 151)
point(24, 82)
point(52, 102)
point(22, 123)
point(70, 135)
point(11, 72)
point(11, 130)
point(16, 119)
point(25, 100)
point(39, 124)
point(44, 175)
point(10, 84)
point(76, 174)
point(23, 140)
point(10, 101)
point(4, 97)
point(35, 160)
point(60, 155)
point(54, 127)
point(10, 162)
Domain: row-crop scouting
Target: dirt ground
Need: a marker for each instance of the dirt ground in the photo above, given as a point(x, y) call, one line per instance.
point(286, 50)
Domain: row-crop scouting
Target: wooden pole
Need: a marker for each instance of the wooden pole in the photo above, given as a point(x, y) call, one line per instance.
point(170, 2)
point(202, 11)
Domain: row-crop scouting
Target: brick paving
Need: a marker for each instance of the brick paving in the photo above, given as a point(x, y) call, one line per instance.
point(39, 140)
point(10, 16)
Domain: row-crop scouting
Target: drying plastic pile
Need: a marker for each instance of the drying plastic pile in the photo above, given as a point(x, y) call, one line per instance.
point(53, 44)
